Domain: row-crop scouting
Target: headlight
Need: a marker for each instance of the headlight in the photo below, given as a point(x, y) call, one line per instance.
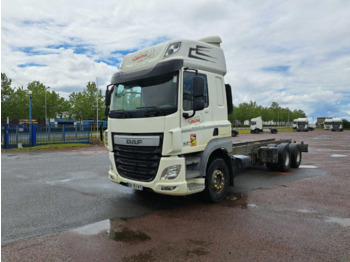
point(171, 172)
point(172, 49)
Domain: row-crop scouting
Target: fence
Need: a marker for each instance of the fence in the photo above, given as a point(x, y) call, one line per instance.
point(13, 136)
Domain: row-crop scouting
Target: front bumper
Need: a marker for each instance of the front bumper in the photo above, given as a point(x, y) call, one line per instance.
point(177, 187)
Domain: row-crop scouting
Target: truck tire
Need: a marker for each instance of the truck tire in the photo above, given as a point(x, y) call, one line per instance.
point(283, 157)
point(234, 133)
point(256, 131)
point(217, 181)
point(295, 155)
point(273, 131)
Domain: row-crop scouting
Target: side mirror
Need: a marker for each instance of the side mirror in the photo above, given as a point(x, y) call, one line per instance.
point(106, 111)
point(198, 105)
point(108, 97)
point(198, 87)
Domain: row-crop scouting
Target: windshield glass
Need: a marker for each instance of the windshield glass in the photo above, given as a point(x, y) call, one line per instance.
point(142, 97)
point(302, 123)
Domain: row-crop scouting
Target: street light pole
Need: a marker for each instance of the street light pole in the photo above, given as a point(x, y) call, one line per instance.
point(46, 108)
point(30, 107)
point(30, 117)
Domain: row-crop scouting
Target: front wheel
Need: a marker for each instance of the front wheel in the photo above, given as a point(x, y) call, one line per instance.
point(216, 181)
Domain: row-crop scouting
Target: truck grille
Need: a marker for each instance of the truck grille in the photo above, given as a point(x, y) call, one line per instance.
point(137, 162)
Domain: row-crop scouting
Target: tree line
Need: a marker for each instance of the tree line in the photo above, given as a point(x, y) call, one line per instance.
point(276, 113)
point(80, 105)
point(83, 105)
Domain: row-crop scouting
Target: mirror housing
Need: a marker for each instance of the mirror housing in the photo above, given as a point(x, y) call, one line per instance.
point(106, 111)
point(198, 93)
point(198, 87)
point(108, 97)
point(198, 105)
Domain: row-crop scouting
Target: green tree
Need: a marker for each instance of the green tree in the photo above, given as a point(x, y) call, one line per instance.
point(84, 104)
point(6, 97)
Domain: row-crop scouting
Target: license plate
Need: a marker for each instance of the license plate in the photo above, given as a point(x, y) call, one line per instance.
point(135, 186)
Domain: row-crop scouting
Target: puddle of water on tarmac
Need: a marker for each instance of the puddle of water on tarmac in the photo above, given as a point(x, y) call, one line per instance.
point(307, 166)
point(337, 155)
point(305, 211)
point(342, 221)
point(93, 229)
point(128, 235)
point(236, 200)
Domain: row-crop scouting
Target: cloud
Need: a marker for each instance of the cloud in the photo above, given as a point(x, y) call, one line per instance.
point(296, 53)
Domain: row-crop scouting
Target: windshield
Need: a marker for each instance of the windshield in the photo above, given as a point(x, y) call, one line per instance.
point(156, 96)
point(302, 123)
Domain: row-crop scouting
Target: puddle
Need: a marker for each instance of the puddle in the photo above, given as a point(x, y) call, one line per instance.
point(93, 229)
point(236, 200)
point(337, 155)
point(128, 235)
point(307, 166)
point(341, 221)
point(305, 211)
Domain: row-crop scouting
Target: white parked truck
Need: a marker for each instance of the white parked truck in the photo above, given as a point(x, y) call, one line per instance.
point(327, 124)
point(256, 126)
point(302, 124)
point(337, 124)
point(168, 128)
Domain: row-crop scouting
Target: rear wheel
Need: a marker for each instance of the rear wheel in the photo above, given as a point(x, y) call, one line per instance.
point(283, 157)
point(216, 181)
point(295, 155)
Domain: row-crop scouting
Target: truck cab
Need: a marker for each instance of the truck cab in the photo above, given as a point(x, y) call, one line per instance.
point(302, 124)
point(256, 125)
point(337, 124)
point(167, 111)
point(327, 124)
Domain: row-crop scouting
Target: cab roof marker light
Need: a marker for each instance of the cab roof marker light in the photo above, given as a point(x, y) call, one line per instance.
point(172, 49)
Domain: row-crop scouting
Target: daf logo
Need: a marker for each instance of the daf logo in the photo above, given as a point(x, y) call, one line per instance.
point(134, 141)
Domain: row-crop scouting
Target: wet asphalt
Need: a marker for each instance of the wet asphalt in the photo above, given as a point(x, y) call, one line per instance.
point(60, 206)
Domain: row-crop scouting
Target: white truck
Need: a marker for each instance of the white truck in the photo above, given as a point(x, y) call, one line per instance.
point(327, 124)
point(168, 129)
point(302, 124)
point(256, 126)
point(337, 124)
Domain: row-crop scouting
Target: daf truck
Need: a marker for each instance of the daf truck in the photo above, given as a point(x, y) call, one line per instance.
point(256, 126)
point(168, 129)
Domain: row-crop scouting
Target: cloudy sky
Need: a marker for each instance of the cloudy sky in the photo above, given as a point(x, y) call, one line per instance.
point(295, 52)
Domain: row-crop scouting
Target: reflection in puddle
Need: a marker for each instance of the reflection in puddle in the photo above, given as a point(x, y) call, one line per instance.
point(342, 221)
point(337, 155)
point(307, 166)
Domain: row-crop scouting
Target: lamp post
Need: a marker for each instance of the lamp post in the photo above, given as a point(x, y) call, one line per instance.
point(30, 116)
point(46, 109)
point(30, 106)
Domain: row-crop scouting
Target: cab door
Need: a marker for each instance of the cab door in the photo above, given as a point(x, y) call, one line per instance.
point(197, 130)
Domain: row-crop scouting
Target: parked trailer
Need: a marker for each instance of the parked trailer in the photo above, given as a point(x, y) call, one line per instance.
point(168, 128)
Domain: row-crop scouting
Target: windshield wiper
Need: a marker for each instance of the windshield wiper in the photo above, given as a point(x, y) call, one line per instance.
point(156, 112)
